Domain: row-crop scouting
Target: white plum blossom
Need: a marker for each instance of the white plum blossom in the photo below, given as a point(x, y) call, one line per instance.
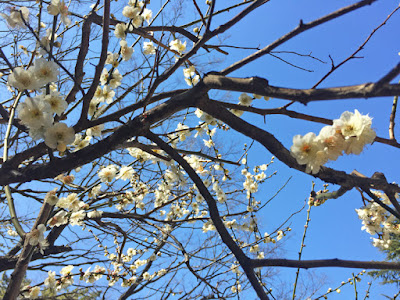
point(51, 197)
point(58, 7)
point(66, 271)
point(178, 46)
point(95, 130)
point(112, 59)
point(45, 71)
point(356, 130)
point(35, 113)
point(37, 235)
point(71, 202)
point(50, 281)
point(81, 142)
point(23, 79)
point(120, 30)
point(133, 13)
point(95, 214)
point(77, 218)
point(332, 141)
point(190, 76)
point(148, 48)
point(125, 173)
point(59, 136)
point(349, 134)
point(14, 19)
point(56, 101)
point(108, 173)
point(245, 99)
point(205, 117)
point(147, 14)
point(307, 150)
point(114, 80)
point(58, 219)
point(126, 51)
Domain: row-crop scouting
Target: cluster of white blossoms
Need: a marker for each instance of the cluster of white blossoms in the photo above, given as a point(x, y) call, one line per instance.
point(349, 135)
point(191, 78)
point(377, 220)
point(136, 14)
point(37, 113)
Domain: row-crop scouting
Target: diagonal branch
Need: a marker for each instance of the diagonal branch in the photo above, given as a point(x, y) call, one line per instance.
point(323, 263)
point(302, 27)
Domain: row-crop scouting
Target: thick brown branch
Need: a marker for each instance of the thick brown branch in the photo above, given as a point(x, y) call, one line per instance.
point(323, 263)
point(260, 86)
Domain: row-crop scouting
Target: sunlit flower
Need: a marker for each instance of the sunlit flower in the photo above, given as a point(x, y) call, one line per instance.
point(332, 141)
point(245, 99)
point(125, 173)
point(59, 136)
point(58, 7)
point(34, 292)
point(14, 19)
point(66, 271)
point(23, 79)
point(50, 281)
point(108, 173)
point(178, 46)
point(95, 131)
point(126, 51)
point(147, 14)
point(95, 214)
point(133, 13)
point(45, 71)
point(308, 151)
point(58, 219)
point(120, 30)
point(51, 197)
point(77, 218)
point(35, 113)
point(112, 59)
point(37, 235)
point(108, 94)
point(148, 48)
point(56, 101)
point(356, 130)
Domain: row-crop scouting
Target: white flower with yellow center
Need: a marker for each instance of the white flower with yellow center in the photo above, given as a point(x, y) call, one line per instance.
point(307, 150)
point(23, 79)
point(108, 173)
point(178, 46)
point(56, 101)
point(126, 51)
point(35, 113)
point(59, 136)
point(148, 48)
point(58, 7)
point(45, 71)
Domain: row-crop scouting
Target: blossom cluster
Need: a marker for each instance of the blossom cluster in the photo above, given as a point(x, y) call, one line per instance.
point(349, 135)
point(37, 113)
point(377, 220)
